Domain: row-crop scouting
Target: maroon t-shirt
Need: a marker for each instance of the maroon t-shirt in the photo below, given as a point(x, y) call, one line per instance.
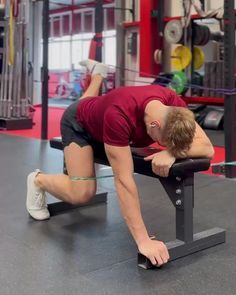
point(117, 118)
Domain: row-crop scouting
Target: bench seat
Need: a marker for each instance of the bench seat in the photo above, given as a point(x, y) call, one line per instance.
point(179, 168)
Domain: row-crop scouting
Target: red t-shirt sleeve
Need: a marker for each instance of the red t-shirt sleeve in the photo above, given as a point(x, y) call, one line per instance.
point(116, 128)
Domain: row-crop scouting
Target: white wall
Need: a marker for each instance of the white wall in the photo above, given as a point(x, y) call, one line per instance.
point(214, 4)
point(175, 7)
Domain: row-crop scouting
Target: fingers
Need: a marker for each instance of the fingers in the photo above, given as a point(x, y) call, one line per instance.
point(161, 163)
point(149, 158)
point(167, 255)
point(163, 256)
point(162, 171)
point(155, 251)
point(161, 259)
point(153, 260)
point(158, 260)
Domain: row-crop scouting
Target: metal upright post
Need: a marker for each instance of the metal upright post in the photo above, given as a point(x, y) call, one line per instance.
point(160, 18)
point(229, 82)
point(160, 27)
point(133, 11)
point(44, 122)
point(120, 42)
point(99, 21)
point(203, 4)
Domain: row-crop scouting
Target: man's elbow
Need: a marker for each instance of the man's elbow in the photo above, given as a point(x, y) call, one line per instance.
point(210, 151)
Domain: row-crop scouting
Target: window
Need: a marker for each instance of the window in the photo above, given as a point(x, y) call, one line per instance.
point(77, 23)
point(59, 54)
point(66, 50)
point(109, 49)
point(88, 22)
point(80, 48)
point(66, 25)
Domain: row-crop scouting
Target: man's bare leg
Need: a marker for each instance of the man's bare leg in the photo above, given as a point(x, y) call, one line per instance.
point(65, 189)
point(94, 86)
point(61, 186)
point(98, 72)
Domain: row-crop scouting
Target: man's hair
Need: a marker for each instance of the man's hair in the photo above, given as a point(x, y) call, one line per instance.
point(179, 130)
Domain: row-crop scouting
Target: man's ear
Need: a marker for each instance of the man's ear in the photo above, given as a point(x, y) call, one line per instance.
point(155, 124)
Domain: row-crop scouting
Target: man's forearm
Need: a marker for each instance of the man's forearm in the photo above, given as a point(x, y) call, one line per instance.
point(130, 207)
point(201, 149)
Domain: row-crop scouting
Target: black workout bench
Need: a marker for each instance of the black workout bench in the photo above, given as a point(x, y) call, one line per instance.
point(179, 186)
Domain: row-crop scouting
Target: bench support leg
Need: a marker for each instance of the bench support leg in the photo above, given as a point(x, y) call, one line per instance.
point(181, 194)
point(62, 207)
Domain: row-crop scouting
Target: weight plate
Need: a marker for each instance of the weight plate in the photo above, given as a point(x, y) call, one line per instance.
point(206, 35)
point(197, 34)
point(2, 12)
point(173, 31)
point(179, 82)
point(181, 57)
point(158, 56)
point(198, 58)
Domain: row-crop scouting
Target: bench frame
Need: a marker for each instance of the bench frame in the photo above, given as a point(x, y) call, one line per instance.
point(180, 189)
point(181, 193)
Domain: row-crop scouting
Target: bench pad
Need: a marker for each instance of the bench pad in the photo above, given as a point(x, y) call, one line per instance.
point(180, 167)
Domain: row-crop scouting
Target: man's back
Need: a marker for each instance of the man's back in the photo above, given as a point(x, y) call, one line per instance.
point(117, 117)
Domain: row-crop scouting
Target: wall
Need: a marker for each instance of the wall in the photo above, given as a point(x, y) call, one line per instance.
point(214, 4)
point(175, 7)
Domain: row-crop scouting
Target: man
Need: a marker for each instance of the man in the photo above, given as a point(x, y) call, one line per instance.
point(128, 116)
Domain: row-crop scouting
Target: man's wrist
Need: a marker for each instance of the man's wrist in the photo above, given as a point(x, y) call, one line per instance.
point(170, 154)
point(142, 240)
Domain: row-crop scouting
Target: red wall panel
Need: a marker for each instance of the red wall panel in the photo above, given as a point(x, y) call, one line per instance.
point(149, 38)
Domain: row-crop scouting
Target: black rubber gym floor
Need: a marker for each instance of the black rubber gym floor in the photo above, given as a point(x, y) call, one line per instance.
point(89, 251)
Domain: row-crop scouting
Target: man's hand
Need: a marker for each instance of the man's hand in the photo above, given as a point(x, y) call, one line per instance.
point(155, 251)
point(161, 162)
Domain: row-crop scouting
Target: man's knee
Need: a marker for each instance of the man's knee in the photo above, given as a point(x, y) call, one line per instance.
point(81, 194)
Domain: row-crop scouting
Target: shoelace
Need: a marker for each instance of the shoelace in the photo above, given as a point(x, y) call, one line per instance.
point(40, 200)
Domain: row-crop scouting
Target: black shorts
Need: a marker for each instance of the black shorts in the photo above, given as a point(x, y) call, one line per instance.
point(71, 131)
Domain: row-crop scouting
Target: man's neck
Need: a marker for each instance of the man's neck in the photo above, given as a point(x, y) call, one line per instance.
point(155, 110)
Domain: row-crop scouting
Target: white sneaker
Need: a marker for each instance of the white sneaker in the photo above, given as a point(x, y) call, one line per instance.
point(36, 199)
point(95, 67)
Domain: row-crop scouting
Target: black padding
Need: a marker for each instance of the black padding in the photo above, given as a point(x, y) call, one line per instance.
point(214, 118)
point(179, 168)
point(56, 143)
